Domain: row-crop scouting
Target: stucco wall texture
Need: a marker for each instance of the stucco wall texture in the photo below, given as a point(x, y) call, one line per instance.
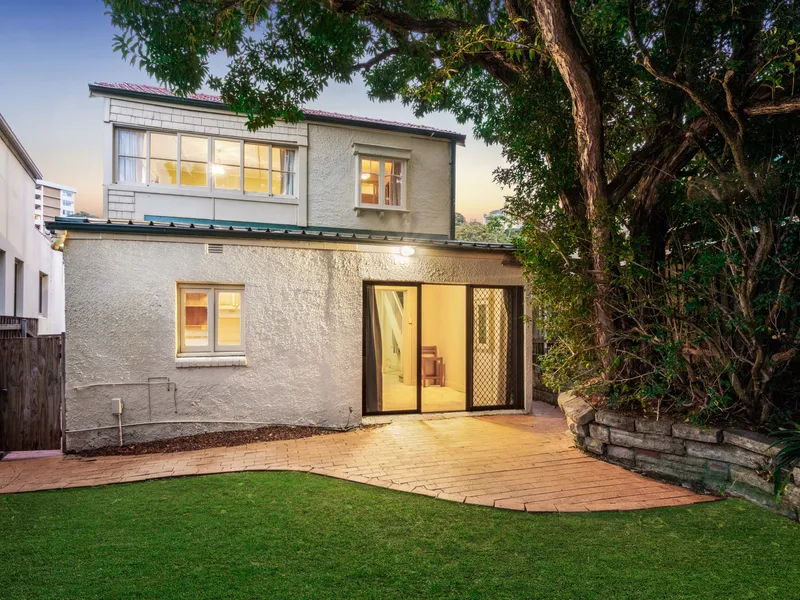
point(303, 331)
point(332, 178)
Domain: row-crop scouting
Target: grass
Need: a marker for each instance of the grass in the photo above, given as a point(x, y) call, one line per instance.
point(292, 535)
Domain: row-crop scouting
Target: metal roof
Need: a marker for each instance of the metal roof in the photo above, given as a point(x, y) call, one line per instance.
point(270, 233)
point(135, 90)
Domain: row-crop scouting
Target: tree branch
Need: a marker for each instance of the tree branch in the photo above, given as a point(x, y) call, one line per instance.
point(781, 107)
point(381, 56)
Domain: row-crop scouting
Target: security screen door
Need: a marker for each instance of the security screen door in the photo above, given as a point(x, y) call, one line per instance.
point(494, 330)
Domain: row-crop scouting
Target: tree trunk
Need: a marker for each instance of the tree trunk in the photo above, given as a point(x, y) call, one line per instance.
point(563, 43)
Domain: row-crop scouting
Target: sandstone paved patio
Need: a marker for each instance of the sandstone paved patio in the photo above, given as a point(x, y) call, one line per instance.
point(521, 462)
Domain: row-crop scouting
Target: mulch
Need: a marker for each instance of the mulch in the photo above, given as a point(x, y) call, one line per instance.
point(211, 440)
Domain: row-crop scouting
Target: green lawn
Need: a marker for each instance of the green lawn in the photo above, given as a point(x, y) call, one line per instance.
point(292, 535)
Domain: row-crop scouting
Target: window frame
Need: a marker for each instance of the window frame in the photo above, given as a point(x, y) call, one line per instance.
point(209, 188)
point(381, 205)
point(44, 294)
point(145, 158)
point(213, 348)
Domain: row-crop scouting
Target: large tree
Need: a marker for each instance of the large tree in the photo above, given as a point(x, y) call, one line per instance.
point(635, 130)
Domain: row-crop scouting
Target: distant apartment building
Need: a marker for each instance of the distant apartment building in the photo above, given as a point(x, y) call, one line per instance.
point(53, 200)
point(31, 271)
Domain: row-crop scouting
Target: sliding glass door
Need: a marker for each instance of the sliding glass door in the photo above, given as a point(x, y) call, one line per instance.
point(441, 348)
point(391, 348)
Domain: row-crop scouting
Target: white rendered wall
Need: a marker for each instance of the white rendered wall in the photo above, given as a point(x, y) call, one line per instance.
point(21, 240)
point(303, 330)
point(332, 177)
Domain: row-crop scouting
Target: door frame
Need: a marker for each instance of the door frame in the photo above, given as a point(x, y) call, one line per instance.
point(365, 285)
point(517, 333)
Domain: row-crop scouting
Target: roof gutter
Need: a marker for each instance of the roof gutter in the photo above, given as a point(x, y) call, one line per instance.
point(105, 91)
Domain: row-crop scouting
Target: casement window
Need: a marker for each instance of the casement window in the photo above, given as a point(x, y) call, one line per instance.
point(211, 319)
point(183, 160)
point(381, 183)
point(131, 156)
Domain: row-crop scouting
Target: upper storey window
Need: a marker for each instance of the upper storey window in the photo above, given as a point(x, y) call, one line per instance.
point(381, 177)
point(204, 162)
point(382, 182)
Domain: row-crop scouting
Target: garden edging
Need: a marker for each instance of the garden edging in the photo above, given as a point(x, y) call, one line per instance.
point(729, 461)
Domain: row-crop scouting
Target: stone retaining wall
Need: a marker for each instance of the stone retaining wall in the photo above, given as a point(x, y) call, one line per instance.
point(725, 461)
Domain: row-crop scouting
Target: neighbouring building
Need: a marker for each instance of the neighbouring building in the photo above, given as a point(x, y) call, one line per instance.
point(31, 271)
point(53, 200)
point(301, 274)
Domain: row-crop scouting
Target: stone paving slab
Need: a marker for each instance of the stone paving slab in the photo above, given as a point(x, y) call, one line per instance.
point(518, 462)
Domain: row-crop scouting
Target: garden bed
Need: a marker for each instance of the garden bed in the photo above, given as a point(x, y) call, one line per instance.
point(216, 439)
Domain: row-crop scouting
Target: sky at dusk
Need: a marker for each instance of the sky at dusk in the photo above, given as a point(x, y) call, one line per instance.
point(51, 49)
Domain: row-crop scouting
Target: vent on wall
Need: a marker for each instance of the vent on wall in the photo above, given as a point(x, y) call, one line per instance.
point(213, 248)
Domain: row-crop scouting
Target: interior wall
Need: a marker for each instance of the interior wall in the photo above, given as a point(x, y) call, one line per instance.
point(444, 325)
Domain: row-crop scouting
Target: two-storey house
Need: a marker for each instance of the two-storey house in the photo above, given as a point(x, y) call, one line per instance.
point(300, 274)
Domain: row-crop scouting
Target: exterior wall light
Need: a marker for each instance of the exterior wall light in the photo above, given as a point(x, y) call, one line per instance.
point(407, 251)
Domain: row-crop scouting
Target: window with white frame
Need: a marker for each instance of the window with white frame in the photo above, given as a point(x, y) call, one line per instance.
point(183, 160)
point(382, 182)
point(211, 319)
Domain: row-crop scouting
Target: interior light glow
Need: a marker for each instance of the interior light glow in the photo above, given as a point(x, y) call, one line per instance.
point(218, 170)
point(365, 176)
point(407, 251)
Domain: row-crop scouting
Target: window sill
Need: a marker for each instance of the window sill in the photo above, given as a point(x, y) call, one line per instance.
point(184, 362)
point(202, 192)
point(381, 209)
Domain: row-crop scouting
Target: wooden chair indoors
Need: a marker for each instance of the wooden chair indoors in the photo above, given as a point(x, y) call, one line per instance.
point(432, 367)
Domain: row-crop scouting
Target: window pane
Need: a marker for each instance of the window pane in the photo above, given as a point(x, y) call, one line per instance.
point(131, 155)
point(369, 181)
point(195, 324)
point(227, 153)
point(194, 148)
point(227, 178)
point(283, 159)
point(229, 319)
point(131, 169)
point(194, 174)
point(256, 180)
point(164, 145)
point(227, 158)
point(283, 183)
point(392, 180)
point(369, 188)
point(163, 171)
point(256, 156)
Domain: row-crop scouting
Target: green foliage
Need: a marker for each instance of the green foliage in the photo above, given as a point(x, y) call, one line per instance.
point(786, 459)
point(494, 230)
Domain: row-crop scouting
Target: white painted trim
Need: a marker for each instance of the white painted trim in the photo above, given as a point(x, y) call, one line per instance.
point(382, 151)
point(184, 362)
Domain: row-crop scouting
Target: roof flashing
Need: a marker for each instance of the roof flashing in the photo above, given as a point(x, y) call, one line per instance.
point(197, 229)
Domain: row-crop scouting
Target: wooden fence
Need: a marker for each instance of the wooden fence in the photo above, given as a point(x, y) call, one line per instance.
point(14, 327)
point(31, 392)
